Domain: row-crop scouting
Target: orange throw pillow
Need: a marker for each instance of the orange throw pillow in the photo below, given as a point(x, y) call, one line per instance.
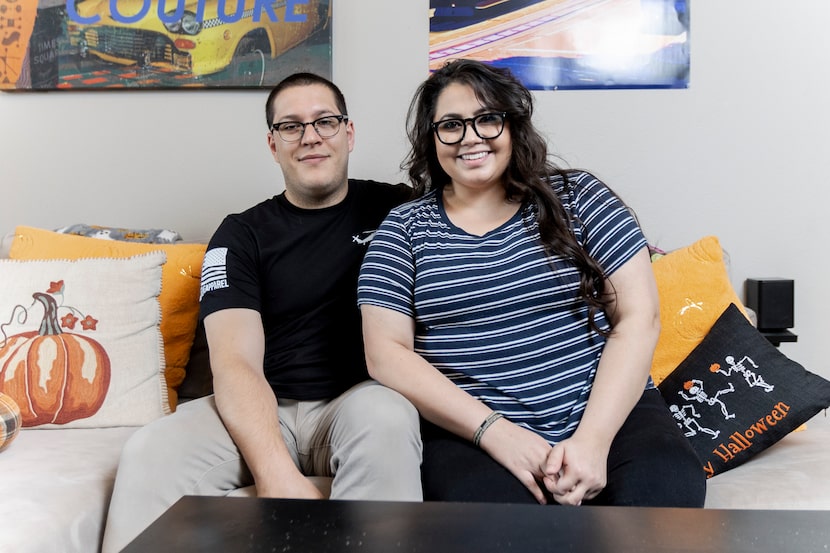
point(694, 290)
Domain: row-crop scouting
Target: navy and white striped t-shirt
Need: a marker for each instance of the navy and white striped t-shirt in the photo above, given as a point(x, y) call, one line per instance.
point(492, 312)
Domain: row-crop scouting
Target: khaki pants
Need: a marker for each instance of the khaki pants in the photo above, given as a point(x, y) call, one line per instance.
point(367, 439)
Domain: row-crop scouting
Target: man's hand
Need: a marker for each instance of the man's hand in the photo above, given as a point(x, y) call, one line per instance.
point(294, 487)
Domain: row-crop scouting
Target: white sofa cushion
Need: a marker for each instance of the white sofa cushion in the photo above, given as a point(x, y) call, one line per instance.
point(792, 474)
point(56, 487)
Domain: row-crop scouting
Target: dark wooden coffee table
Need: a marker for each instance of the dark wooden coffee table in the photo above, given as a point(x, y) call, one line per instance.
point(235, 524)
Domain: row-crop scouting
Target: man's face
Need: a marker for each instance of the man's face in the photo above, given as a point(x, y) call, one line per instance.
point(315, 168)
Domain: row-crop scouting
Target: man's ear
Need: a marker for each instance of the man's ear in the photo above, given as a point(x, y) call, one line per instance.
point(272, 145)
point(350, 134)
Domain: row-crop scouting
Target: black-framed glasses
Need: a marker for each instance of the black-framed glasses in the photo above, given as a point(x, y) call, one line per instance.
point(326, 127)
point(486, 126)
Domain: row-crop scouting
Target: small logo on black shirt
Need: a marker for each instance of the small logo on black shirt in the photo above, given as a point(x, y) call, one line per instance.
point(364, 237)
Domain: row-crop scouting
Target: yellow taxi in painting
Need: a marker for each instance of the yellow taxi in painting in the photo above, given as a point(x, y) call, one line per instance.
point(199, 37)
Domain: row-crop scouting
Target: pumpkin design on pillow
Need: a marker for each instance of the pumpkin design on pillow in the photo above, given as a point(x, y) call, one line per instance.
point(54, 376)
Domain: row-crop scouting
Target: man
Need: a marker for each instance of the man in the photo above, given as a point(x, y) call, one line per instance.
point(292, 395)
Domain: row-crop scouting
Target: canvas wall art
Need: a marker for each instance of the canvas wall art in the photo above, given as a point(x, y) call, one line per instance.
point(568, 44)
point(96, 44)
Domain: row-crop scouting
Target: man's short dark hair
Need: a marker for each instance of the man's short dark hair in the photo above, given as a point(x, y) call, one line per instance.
point(303, 79)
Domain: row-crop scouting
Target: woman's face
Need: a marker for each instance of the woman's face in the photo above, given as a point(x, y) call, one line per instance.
point(474, 162)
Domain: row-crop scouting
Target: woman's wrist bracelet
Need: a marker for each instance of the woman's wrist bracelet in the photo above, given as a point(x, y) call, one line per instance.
point(491, 418)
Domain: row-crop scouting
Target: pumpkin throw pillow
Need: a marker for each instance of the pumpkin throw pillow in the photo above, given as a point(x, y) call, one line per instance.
point(179, 291)
point(694, 290)
point(737, 394)
point(80, 344)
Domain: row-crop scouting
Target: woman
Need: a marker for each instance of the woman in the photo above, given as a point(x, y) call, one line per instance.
point(514, 304)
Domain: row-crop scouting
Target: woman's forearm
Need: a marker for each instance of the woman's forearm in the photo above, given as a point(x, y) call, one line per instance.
point(390, 358)
point(624, 366)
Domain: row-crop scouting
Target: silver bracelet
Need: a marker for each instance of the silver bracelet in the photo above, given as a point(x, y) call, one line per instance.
point(491, 418)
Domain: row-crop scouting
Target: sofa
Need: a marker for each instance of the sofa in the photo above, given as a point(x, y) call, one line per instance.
point(56, 483)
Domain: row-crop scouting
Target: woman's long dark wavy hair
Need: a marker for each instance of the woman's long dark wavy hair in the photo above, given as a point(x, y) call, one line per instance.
point(526, 176)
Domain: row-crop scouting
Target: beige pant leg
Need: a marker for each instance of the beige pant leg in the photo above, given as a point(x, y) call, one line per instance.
point(186, 453)
point(368, 439)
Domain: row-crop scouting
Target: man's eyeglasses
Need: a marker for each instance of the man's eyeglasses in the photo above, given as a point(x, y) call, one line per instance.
point(326, 127)
point(486, 126)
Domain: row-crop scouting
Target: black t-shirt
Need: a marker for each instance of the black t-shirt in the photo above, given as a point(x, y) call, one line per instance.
point(298, 268)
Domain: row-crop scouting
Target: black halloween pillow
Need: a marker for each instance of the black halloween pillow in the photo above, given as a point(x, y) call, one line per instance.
point(736, 394)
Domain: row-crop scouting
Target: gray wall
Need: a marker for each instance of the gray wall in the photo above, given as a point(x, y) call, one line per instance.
point(740, 154)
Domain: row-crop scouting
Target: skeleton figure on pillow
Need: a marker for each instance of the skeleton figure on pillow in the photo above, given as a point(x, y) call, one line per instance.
point(752, 378)
point(695, 387)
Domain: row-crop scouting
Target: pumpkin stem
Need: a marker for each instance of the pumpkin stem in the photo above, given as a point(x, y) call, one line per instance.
point(49, 326)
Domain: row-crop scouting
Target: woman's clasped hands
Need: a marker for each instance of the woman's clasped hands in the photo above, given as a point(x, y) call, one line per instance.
point(568, 473)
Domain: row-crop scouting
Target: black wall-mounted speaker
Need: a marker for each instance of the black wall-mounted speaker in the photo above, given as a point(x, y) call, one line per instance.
point(772, 300)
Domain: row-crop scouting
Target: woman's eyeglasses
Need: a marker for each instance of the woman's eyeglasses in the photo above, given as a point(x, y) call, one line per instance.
point(486, 126)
